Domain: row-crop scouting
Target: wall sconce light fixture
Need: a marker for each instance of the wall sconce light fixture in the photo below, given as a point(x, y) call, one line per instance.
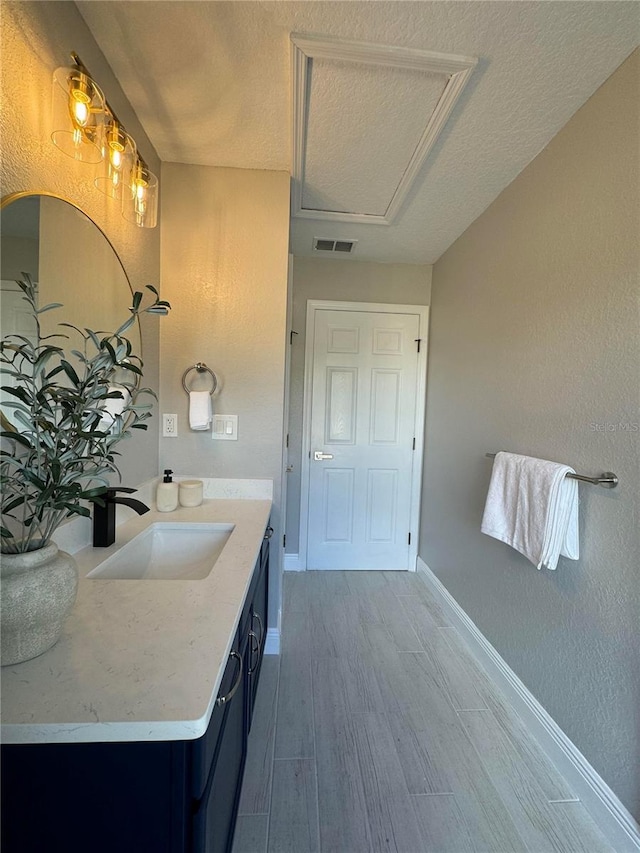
point(118, 151)
point(86, 128)
point(78, 107)
point(142, 209)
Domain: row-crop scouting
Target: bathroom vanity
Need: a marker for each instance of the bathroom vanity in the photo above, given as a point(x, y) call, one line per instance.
point(131, 733)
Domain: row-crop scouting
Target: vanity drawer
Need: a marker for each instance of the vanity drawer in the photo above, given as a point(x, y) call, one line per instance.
point(204, 750)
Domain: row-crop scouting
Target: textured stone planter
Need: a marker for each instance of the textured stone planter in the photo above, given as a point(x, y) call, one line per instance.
point(38, 592)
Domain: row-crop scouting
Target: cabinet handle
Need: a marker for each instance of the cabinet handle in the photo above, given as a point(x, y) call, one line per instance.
point(222, 700)
point(268, 533)
point(257, 616)
point(253, 636)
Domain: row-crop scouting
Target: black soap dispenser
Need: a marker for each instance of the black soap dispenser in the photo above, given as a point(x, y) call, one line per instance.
point(167, 493)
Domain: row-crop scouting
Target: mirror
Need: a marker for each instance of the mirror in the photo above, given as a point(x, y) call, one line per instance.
point(72, 262)
point(70, 258)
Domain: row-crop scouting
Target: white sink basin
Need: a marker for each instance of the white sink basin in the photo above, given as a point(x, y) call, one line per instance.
point(167, 551)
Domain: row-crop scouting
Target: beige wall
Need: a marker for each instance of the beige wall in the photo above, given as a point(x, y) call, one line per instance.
point(345, 281)
point(35, 39)
point(535, 348)
point(224, 268)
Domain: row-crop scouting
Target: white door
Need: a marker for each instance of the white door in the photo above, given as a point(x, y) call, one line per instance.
point(363, 417)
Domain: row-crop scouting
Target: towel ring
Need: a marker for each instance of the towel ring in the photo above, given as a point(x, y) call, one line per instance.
point(201, 367)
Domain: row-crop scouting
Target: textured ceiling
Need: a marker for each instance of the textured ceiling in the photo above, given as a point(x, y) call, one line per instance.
point(210, 82)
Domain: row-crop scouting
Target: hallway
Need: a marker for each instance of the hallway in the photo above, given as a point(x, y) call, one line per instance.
point(376, 731)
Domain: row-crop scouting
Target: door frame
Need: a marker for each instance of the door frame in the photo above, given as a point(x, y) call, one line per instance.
point(422, 311)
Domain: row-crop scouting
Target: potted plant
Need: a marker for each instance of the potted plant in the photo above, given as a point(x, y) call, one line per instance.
point(70, 410)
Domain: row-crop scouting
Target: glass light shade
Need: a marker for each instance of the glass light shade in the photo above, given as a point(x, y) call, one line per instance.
point(142, 207)
point(77, 115)
point(113, 176)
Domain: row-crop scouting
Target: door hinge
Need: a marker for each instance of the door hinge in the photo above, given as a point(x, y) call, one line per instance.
point(291, 334)
point(409, 538)
point(284, 540)
point(414, 443)
point(287, 444)
point(417, 340)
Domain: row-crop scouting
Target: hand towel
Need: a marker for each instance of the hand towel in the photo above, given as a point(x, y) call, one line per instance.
point(533, 506)
point(200, 410)
point(112, 407)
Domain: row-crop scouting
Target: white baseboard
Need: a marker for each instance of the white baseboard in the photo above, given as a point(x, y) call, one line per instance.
point(272, 645)
point(293, 563)
point(610, 814)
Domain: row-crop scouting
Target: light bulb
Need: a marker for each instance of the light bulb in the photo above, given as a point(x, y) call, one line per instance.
point(79, 112)
point(116, 158)
point(116, 140)
point(81, 93)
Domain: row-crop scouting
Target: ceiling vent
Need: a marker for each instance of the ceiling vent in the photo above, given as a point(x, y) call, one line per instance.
point(338, 247)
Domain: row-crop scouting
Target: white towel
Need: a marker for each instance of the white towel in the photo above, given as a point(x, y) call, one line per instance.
point(200, 409)
point(112, 407)
point(533, 506)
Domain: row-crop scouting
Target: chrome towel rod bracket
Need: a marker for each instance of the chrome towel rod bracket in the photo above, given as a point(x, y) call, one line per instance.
point(200, 367)
point(607, 480)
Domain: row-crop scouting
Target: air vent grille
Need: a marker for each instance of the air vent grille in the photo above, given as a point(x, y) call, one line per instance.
point(343, 247)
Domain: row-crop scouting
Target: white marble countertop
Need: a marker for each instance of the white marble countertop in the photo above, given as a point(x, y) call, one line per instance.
point(138, 659)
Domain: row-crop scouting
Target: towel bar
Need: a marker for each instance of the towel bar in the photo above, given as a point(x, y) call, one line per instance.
point(201, 367)
point(608, 480)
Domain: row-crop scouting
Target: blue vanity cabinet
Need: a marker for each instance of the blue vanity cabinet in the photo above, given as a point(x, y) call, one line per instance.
point(98, 797)
point(259, 599)
point(223, 748)
point(161, 797)
point(218, 761)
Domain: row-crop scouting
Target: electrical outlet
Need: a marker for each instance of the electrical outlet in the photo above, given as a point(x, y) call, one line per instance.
point(169, 426)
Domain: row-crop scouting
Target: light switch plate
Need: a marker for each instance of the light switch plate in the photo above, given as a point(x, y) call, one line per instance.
point(225, 428)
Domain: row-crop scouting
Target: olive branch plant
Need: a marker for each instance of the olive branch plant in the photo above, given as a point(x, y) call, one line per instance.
point(59, 454)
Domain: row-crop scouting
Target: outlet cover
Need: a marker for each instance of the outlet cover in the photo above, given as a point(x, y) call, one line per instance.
point(169, 426)
point(225, 428)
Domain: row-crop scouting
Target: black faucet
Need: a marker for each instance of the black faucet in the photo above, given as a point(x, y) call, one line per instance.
point(104, 517)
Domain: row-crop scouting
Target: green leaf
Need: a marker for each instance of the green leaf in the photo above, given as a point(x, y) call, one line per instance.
point(78, 509)
point(94, 338)
point(35, 480)
point(46, 354)
point(12, 504)
point(49, 307)
point(20, 393)
point(71, 326)
point(17, 436)
point(126, 325)
point(95, 492)
point(106, 345)
point(55, 372)
point(68, 369)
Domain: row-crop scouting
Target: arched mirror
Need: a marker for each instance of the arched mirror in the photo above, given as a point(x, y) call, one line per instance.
point(72, 262)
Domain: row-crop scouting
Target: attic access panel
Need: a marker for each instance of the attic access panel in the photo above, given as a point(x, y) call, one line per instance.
point(365, 118)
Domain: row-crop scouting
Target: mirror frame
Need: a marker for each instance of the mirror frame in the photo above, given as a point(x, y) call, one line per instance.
point(6, 200)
